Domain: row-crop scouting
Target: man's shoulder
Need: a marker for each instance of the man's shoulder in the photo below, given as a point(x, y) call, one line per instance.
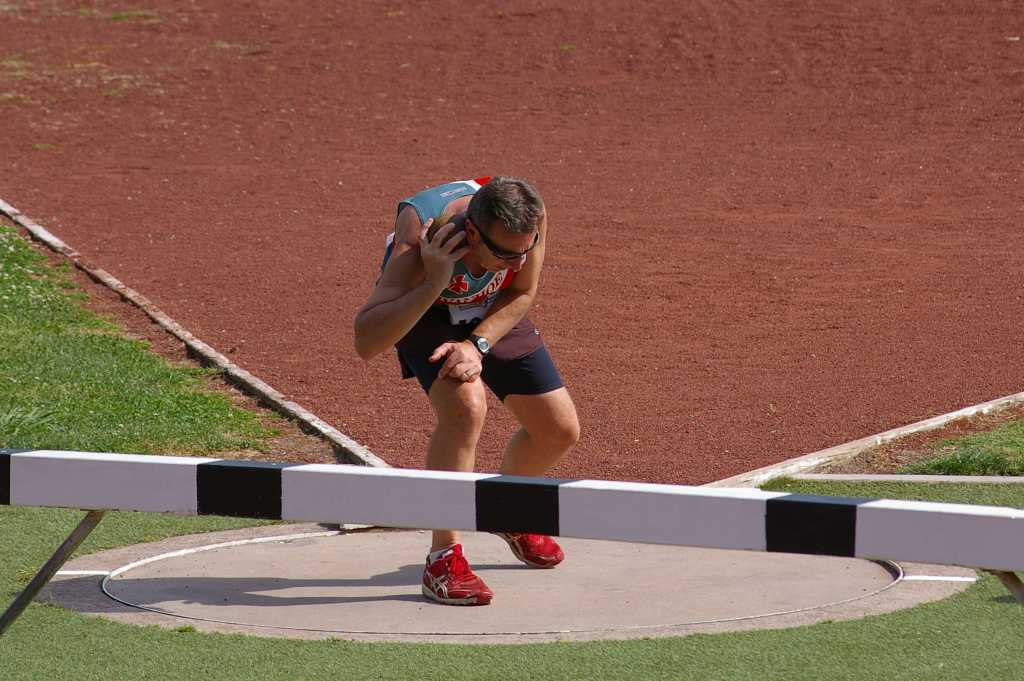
point(453, 187)
point(431, 202)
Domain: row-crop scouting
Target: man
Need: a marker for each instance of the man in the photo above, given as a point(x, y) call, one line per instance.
point(460, 272)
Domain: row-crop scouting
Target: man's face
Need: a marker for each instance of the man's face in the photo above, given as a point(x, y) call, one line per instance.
point(498, 249)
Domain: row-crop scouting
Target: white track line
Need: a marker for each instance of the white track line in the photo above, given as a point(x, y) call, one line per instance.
point(211, 547)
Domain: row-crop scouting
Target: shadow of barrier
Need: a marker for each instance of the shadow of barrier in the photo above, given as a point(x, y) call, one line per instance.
point(981, 537)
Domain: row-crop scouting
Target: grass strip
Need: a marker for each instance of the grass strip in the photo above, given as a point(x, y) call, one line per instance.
point(999, 451)
point(955, 493)
point(70, 380)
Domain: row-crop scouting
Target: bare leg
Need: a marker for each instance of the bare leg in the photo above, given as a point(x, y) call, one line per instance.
point(549, 429)
point(460, 409)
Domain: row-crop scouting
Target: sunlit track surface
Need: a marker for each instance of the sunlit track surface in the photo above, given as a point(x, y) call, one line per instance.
point(773, 229)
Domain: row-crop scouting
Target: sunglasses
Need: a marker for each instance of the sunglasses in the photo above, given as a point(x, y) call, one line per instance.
point(500, 253)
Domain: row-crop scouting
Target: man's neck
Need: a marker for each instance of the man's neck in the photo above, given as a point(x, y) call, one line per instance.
point(470, 260)
point(473, 265)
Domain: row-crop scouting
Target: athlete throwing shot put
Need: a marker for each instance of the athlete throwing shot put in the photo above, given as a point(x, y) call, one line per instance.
point(460, 273)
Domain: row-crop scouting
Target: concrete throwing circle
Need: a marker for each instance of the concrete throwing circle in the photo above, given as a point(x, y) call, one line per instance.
point(366, 586)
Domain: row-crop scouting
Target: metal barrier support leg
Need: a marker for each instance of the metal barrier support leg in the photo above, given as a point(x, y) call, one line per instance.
point(1012, 582)
point(46, 573)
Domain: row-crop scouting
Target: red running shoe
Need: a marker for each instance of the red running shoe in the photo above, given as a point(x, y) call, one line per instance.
point(449, 580)
point(536, 550)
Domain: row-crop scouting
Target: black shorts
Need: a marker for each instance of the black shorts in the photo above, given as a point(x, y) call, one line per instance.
point(518, 364)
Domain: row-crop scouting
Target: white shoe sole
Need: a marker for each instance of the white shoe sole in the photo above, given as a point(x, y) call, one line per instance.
point(519, 555)
point(448, 601)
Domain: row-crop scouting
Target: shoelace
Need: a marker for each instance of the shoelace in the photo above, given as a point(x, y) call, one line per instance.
point(533, 541)
point(458, 567)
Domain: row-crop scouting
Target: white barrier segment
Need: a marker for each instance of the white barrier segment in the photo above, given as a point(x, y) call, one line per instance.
point(380, 496)
point(664, 514)
point(124, 482)
point(986, 537)
point(989, 538)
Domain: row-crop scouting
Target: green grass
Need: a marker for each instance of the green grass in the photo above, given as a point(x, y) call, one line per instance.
point(984, 494)
point(15, 61)
point(997, 452)
point(976, 635)
point(30, 535)
point(69, 380)
point(129, 15)
point(973, 636)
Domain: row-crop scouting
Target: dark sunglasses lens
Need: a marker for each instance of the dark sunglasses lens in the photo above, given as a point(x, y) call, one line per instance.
point(510, 255)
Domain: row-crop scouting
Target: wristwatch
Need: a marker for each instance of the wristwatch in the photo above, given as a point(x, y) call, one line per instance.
point(481, 344)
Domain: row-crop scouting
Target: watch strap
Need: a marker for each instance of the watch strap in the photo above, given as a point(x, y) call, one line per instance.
point(475, 340)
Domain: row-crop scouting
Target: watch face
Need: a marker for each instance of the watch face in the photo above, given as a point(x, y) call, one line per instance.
point(483, 345)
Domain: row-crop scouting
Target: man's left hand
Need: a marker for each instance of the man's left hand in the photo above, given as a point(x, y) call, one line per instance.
point(462, 361)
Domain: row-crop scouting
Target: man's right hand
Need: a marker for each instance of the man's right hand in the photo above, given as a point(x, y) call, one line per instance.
point(439, 256)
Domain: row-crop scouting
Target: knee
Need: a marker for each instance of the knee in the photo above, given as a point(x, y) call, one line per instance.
point(564, 433)
point(467, 411)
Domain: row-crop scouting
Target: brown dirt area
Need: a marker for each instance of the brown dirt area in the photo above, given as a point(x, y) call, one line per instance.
point(774, 227)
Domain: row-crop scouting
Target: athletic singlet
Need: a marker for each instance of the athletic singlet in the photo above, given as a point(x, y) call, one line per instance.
point(467, 298)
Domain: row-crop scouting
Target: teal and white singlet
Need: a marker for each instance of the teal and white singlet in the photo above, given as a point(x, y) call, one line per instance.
point(467, 298)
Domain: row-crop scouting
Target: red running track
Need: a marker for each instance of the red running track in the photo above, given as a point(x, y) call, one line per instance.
point(773, 229)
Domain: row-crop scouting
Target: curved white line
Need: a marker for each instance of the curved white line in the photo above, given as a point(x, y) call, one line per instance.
point(211, 547)
point(894, 569)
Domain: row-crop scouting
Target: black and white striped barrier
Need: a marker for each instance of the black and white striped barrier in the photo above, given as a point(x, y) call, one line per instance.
point(749, 519)
point(983, 537)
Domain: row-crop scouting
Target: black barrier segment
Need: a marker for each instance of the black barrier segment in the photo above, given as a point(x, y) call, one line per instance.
point(510, 503)
point(5, 473)
point(5, 477)
point(242, 489)
point(804, 523)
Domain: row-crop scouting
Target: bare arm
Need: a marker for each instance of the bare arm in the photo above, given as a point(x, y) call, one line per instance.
point(514, 302)
point(379, 327)
point(415, 275)
point(510, 306)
